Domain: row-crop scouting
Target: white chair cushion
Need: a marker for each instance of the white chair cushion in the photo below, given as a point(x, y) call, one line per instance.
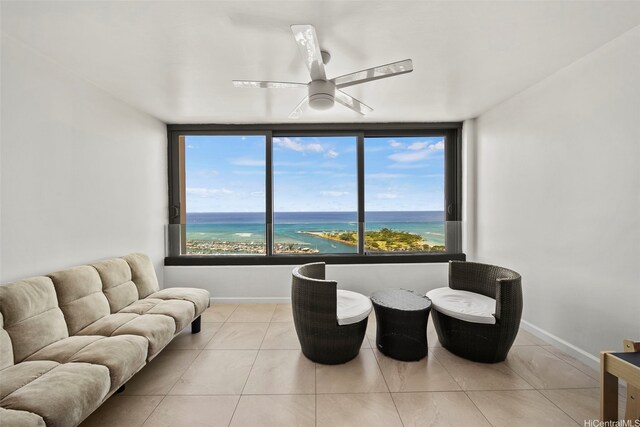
point(352, 307)
point(463, 305)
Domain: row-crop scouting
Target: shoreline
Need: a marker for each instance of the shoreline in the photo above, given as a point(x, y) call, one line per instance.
point(209, 247)
point(332, 237)
point(322, 235)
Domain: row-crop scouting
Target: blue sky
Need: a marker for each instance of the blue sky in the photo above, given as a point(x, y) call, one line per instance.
point(227, 173)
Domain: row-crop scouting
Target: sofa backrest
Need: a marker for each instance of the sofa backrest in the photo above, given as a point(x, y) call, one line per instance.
point(143, 274)
point(80, 296)
point(6, 349)
point(116, 283)
point(31, 315)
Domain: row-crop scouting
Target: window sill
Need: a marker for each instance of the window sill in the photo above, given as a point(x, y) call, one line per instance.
point(195, 260)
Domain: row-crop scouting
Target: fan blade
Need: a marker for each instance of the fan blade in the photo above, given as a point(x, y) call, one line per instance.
point(300, 108)
point(381, 72)
point(352, 103)
point(309, 47)
point(266, 85)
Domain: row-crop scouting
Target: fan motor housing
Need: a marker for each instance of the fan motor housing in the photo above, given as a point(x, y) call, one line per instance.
point(321, 94)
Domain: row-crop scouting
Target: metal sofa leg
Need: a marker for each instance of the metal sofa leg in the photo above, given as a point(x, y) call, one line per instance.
point(121, 389)
point(196, 325)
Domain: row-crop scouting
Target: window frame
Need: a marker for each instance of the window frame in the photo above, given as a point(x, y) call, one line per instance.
point(453, 188)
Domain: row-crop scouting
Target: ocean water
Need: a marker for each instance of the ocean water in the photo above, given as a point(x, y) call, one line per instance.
point(289, 227)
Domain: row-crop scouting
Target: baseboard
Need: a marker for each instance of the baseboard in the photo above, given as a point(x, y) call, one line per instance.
point(250, 300)
point(572, 350)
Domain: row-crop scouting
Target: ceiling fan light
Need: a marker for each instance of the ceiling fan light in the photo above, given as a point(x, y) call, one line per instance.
point(321, 94)
point(321, 101)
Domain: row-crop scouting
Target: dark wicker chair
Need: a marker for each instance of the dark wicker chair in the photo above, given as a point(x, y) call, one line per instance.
point(313, 301)
point(475, 341)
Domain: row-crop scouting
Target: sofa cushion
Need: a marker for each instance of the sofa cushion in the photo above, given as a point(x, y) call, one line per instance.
point(199, 297)
point(463, 305)
point(351, 307)
point(156, 328)
point(123, 355)
point(143, 274)
point(116, 283)
point(63, 396)
point(80, 296)
point(13, 418)
point(182, 312)
point(31, 315)
point(6, 349)
point(19, 375)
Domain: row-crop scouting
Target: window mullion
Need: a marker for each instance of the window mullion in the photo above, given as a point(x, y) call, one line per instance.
point(360, 155)
point(269, 194)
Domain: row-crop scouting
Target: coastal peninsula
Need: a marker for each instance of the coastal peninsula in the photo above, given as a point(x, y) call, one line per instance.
point(384, 240)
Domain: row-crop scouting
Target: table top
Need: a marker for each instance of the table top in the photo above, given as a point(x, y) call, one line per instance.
point(633, 358)
point(401, 299)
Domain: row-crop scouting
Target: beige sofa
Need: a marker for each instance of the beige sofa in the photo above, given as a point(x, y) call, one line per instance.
point(71, 339)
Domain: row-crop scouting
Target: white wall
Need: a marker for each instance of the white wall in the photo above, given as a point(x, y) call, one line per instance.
point(558, 196)
point(265, 283)
point(83, 176)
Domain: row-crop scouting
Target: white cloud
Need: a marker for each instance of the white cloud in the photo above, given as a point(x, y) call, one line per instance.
point(314, 147)
point(420, 151)
point(413, 156)
point(243, 161)
point(295, 145)
point(389, 195)
point(332, 154)
point(334, 193)
point(395, 144)
point(418, 145)
point(438, 146)
point(207, 192)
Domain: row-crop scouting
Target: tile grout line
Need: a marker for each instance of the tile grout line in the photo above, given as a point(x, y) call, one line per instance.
point(251, 369)
point(245, 383)
point(373, 351)
point(164, 396)
point(444, 366)
point(557, 406)
point(532, 389)
point(462, 389)
point(558, 359)
point(506, 364)
point(183, 372)
point(565, 361)
point(189, 366)
point(478, 408)
point(153, 410)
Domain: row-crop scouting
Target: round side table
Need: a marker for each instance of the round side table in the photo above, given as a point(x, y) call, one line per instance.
point(401, 317)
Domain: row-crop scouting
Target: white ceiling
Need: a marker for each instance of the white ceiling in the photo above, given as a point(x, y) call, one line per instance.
point(175, 59)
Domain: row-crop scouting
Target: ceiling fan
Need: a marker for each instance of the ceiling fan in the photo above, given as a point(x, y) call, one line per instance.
point(323, 93)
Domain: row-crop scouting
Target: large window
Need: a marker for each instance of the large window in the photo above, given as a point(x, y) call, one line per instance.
point(404, 194)
point(224, 188)
point(288, 194)
point(315, 194)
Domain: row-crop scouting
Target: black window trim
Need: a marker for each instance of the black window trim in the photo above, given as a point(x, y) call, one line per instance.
point(453, 188)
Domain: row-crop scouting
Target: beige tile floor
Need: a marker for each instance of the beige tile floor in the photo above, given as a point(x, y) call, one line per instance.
point(246, 369)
